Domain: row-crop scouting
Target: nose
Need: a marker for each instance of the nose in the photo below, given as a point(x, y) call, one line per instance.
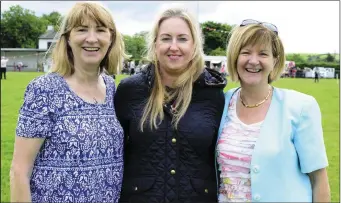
point(174, 45)
point(92, 36)
point(253, 59)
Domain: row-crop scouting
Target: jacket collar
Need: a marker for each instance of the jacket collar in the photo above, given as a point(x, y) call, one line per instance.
point(209, 78)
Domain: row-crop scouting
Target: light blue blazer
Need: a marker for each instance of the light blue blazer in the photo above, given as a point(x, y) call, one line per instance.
point(290, 145)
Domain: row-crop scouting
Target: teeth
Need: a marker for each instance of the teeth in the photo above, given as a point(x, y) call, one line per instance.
point(253, 70)
point(91, 49)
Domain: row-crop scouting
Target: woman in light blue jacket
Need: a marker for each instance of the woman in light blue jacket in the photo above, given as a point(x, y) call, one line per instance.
point(270, 146)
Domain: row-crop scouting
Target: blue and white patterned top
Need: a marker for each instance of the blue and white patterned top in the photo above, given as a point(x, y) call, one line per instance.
point(81, 159)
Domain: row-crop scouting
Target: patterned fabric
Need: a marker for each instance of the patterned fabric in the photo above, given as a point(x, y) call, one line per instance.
point(81, 159)
point(235, 148)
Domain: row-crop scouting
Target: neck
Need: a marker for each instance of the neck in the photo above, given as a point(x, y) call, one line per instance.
point(86, 76)
point(252, 95)
point(167, 78)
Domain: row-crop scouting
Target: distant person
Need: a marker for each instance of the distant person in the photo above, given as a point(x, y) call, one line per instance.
point(270, 144)
point(4, 61)
point(132, 71)
point(69, 143)
point(20, 66)
point(294, 71)
point(317, 77)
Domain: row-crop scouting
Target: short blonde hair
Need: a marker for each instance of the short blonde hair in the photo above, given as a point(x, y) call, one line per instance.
point(184, 83)
point(62, 55)
point(254, 34)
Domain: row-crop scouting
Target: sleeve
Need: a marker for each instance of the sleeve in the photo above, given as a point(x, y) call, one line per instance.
point(122, 108)
point(308, 139)
point(34, 119)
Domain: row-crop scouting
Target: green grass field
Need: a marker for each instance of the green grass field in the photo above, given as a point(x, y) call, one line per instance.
point(326, 93)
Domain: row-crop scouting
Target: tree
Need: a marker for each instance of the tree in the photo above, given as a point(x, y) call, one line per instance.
point(330, 58)
point(215, 35)
point(295, 57)
point(53, 18)
point(218, 52)
point(20, 28)
point(136, 45)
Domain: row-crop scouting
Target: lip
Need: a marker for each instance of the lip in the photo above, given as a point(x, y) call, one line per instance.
point(260, 70)
point(91, 48)
point(174, 57)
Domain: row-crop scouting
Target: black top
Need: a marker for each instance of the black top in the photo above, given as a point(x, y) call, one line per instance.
point(168, 165)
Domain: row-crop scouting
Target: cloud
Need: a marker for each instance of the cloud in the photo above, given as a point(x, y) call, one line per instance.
point(304, 26)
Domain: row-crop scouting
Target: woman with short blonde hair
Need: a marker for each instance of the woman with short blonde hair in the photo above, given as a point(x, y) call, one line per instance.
point(270, 144)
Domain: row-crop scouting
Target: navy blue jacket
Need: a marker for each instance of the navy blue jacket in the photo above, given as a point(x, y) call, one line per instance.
point(168, 165)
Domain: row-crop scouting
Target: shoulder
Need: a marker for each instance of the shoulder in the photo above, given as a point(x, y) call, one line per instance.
point(132, 82)
point(48, 82)
point(297, 104)
point(230, 92)
point(293, 97)
point(109, 80)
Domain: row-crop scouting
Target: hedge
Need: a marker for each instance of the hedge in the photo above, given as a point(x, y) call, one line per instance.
point(322, 64)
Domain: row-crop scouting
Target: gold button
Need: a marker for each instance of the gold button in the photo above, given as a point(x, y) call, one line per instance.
point(206, 190)
point(172, 172)
point(174, 140)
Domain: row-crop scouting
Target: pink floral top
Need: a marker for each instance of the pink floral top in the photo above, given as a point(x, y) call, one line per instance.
point(235, 147)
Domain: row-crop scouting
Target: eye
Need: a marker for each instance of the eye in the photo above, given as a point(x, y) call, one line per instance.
point(244, 52)
point(183, 39)
point(101, 30)
point(165, 39)
point(81, 30)
point(264, 54)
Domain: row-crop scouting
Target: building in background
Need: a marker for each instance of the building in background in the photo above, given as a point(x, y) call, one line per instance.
point(32, 59)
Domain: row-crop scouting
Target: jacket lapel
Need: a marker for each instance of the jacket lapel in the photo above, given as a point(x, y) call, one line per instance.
point(271, 130)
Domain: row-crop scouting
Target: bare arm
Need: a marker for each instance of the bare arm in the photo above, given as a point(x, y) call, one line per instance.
point(25, 152)
point(320, 185)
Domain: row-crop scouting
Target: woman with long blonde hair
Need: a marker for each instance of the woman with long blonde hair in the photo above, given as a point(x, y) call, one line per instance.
point(170, 114)
point(69, 144)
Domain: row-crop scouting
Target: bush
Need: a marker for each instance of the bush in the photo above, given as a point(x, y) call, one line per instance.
point(321, 64)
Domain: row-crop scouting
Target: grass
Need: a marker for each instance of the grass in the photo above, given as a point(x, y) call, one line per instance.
point(326, 93)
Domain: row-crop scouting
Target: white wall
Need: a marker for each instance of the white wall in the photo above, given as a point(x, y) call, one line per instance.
point(43, 43)
point(28, 58)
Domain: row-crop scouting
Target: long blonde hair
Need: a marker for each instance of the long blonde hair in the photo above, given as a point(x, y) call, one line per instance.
point(62, 55)
point(184, 83)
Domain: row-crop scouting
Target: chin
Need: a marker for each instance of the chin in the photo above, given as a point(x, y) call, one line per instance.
point(251, 82)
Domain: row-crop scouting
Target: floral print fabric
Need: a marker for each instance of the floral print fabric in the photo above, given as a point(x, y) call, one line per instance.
point(81, 159)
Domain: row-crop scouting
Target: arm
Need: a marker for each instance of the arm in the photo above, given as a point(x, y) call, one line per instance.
point(320, 185)
point(309, 144)
point(33, 127)
point(25, 152)
point(122, 108)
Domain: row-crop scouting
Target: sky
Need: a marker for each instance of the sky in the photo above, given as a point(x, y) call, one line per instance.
point(304, 26)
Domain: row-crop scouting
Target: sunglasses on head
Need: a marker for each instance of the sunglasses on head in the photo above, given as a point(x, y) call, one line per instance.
point(270, 26)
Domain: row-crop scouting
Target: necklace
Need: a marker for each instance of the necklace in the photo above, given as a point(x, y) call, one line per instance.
point(255, 105)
